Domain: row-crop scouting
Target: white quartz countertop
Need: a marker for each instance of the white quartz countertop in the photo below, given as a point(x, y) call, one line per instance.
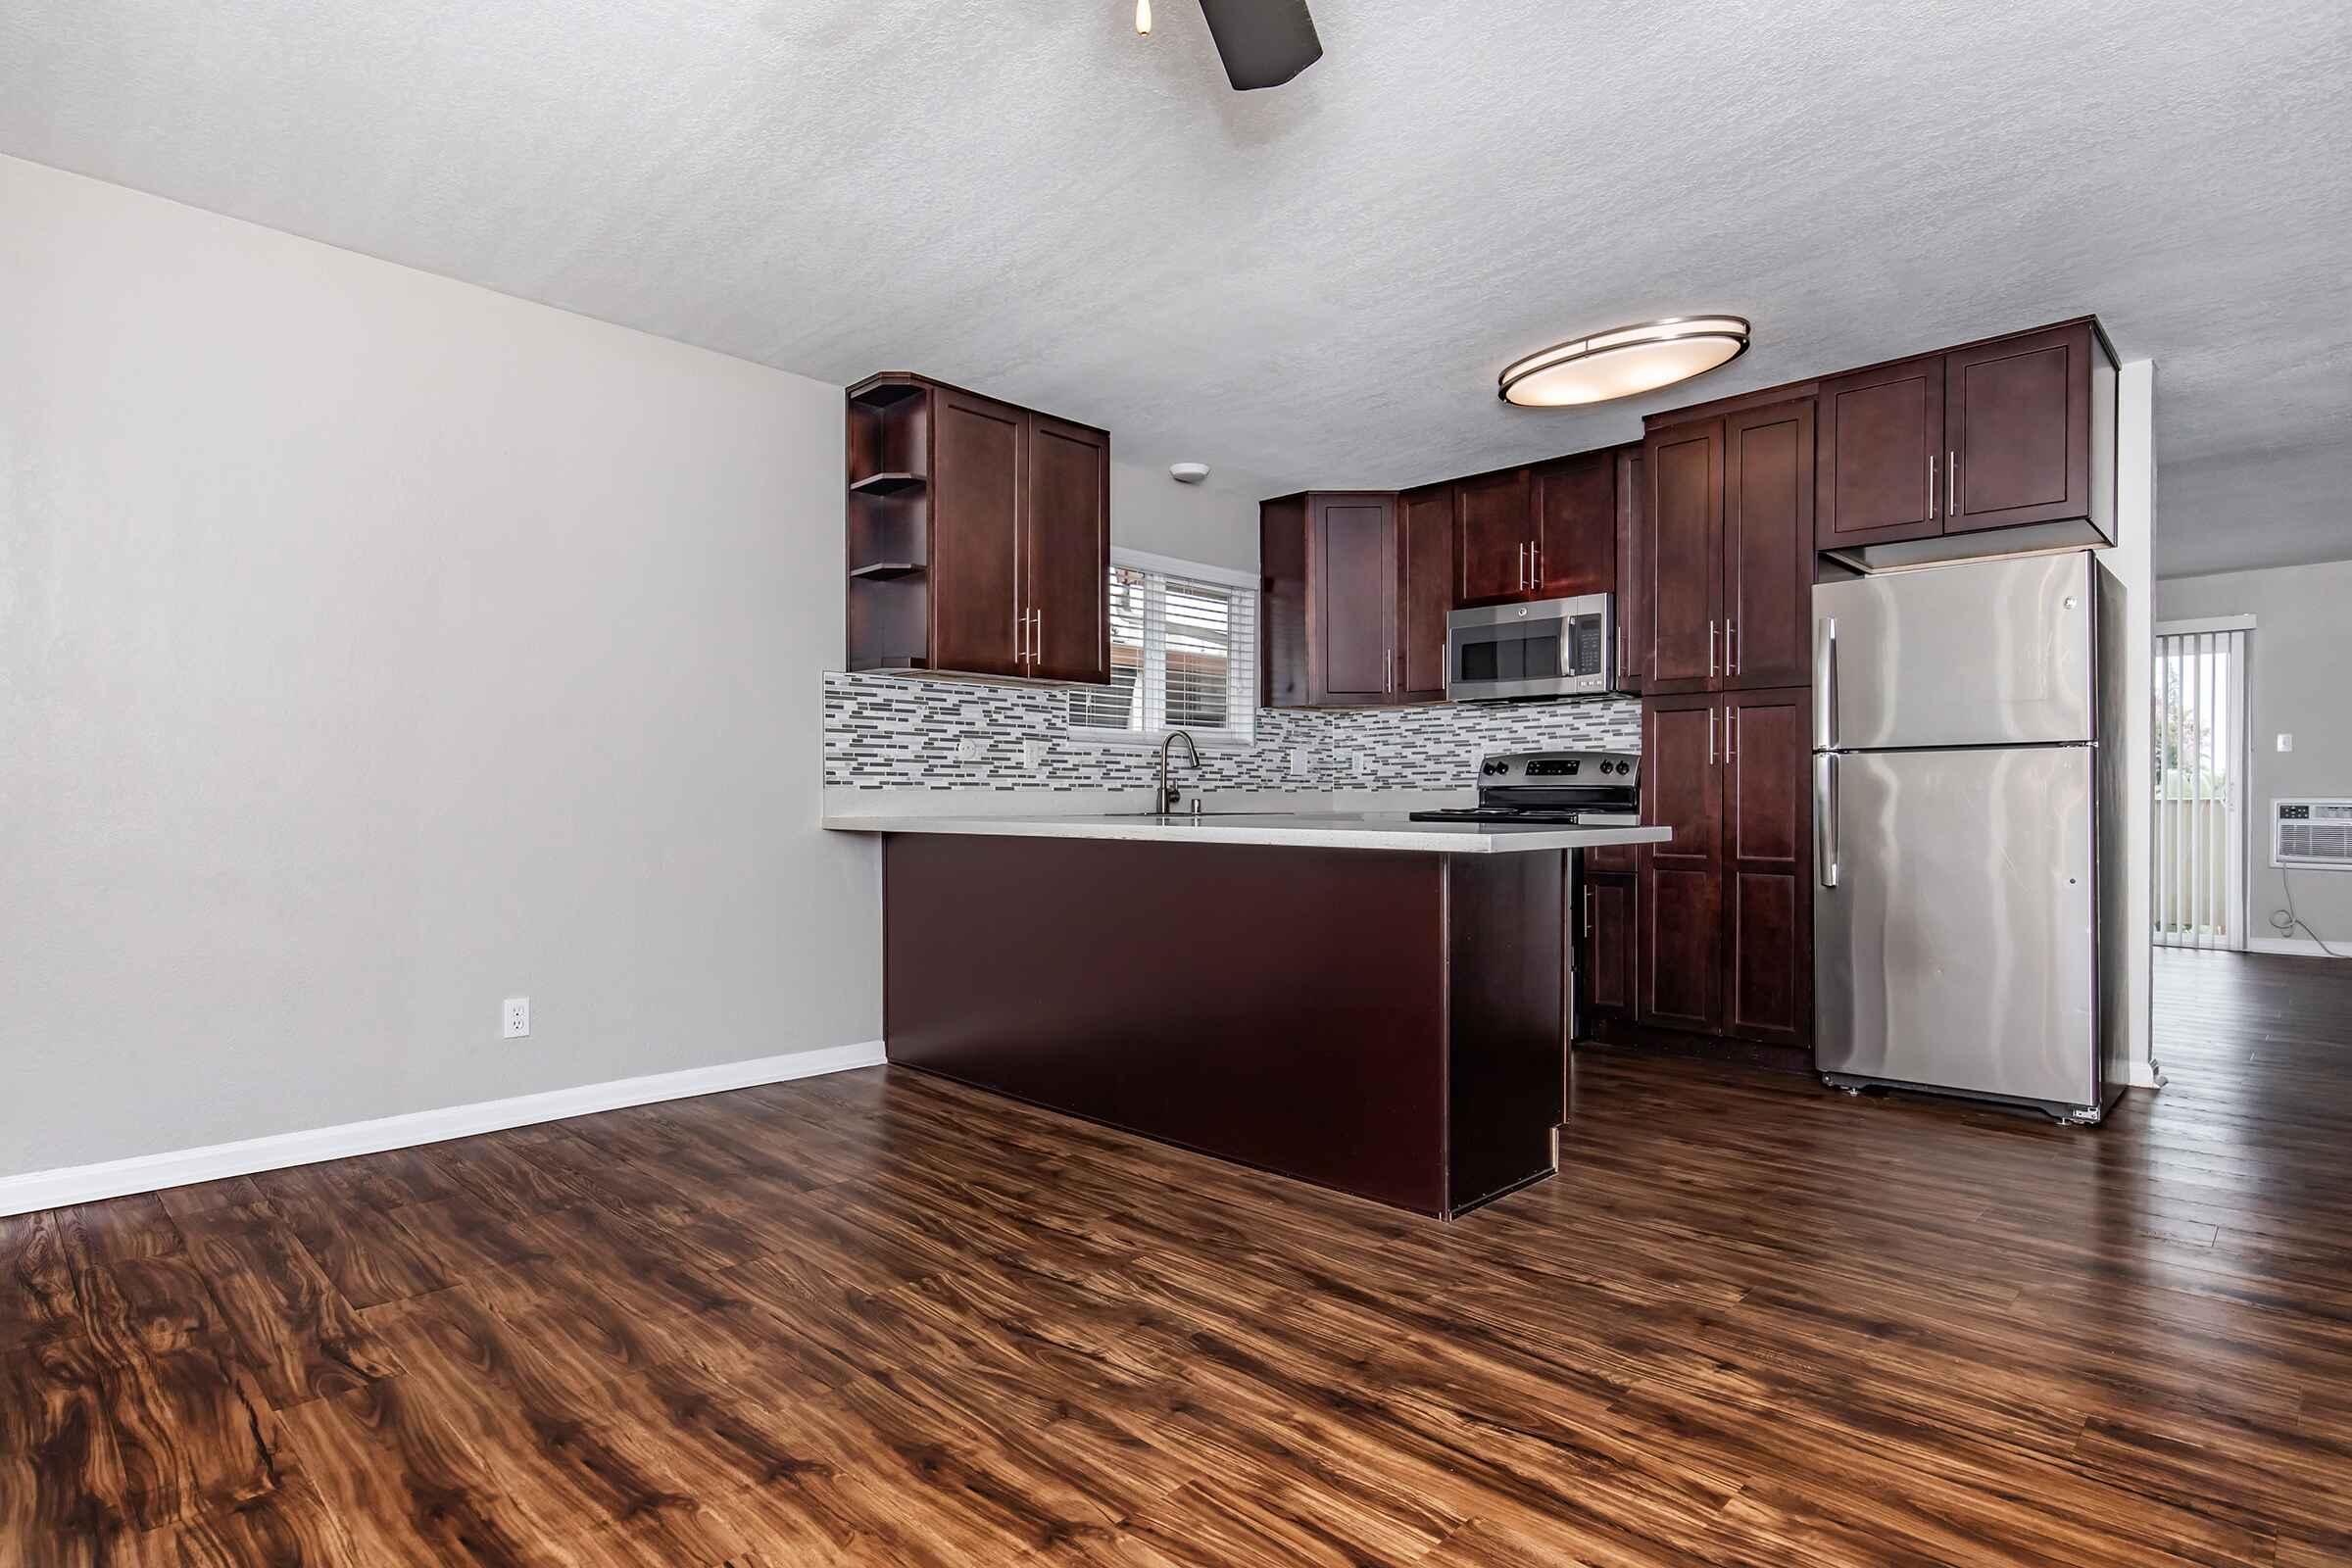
point(1383, 830)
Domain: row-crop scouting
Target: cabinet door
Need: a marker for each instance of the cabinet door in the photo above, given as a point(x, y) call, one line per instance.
point(1605, 942)
point(1353, 605)
point(1424, 589)
point(979, 491)
point(2017, 419)
point(1768, 546)
point(1682, 555)
point(1633, 590)
point(1494, 516)
point(1882, 455)
point(1680, 904)
point(1066, 550)
point(1576, 525)
point(1768, 832)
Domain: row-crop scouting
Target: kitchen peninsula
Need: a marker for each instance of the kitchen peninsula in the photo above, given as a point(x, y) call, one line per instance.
point(1366, 1002)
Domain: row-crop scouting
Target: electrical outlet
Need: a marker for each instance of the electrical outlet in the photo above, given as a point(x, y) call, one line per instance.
point(2286, 743)
point(517, 1018)
point(1302, 762)
point(1033, 752)
point(970, 749)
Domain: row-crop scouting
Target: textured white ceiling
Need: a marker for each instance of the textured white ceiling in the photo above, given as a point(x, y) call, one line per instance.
point(1315, 284)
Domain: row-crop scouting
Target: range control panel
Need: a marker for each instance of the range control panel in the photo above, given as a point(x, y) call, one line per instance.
point(1561, 768)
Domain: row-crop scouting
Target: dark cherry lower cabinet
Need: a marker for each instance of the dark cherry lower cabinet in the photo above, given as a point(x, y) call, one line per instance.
point(1386, 1024)
point(1723, 911)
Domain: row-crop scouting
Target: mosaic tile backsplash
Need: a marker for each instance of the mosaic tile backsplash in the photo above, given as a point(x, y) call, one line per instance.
point(895, 732)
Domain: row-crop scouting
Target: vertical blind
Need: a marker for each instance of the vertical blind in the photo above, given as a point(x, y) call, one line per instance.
point(1183, 655)
point(2199, 836)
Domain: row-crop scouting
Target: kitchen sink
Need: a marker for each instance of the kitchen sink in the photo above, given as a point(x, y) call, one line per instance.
point(1181, 816)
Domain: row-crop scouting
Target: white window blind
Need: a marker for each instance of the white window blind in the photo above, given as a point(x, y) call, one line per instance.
point(1183, 655)
point(2198, 841)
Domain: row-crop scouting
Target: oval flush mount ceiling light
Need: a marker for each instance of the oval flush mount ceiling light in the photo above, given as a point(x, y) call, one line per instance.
point(1624, 361)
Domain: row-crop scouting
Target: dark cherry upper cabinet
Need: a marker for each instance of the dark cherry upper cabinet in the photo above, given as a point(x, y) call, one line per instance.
point(1882, 454)
point(1355, 588)
point(1352, 549)
point(979, 488)
point(1768, 546)
point(1494, 538)
point(978, 537)
point(2022, 445)
point(2006, 444)
point(1576, 525)
point(1766, 892)
point(1065, 551)
point(1632, 594)
point(1682, 559)
point(1680, 981)
point(1425, 548)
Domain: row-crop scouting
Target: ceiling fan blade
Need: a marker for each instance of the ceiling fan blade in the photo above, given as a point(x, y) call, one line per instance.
point(1264, 43)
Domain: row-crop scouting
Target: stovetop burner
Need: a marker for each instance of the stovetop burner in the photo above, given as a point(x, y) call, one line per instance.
point(1530, 816)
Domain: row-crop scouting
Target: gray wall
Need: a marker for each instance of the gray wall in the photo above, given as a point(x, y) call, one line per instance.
point(2299, 663)
point(1214, 522)
point(373, 647)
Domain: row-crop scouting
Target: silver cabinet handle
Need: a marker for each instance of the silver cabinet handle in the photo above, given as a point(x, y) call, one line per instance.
point(1824, 818)
point(1535, 567)
point(1731, 734)
point(1824, 681)
point(1951, 485)
point(1388, 669)
point(1710, 649)
point(1730, 647)
point(1020, 638)
point(1523, 565)
point(1588, 908)
point(1930, 487)
point(1711, 735)
point(1037, 636)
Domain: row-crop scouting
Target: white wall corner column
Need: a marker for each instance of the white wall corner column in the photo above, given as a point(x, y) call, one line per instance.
point(2133, 560)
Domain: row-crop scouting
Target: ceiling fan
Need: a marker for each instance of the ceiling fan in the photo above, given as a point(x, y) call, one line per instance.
point(1264, 43)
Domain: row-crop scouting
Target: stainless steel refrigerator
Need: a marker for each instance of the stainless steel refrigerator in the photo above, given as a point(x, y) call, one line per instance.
point(1967, 774)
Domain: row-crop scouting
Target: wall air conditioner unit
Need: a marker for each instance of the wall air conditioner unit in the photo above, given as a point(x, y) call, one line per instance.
point(2312, 835)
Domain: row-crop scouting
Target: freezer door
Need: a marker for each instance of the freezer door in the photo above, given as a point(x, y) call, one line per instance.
point(1994, 653)
point(1953, 923)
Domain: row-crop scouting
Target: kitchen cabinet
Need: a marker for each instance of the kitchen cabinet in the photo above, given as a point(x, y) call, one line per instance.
point(1543, 533)
point(978, 535)
point(1575, 513)
point(1356, 587)
point(1424, 590)
point(1495, 547)
point(2013, 437)
point(1767, 834)
point(1605, 943)
point(1727, 552)
point(1723, 911)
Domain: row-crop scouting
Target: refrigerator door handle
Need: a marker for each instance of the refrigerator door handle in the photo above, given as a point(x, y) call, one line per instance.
point(1824, 682)
point(1824, 818)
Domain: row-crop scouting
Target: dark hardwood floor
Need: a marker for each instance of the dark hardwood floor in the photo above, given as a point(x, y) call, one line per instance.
point(875, 1318)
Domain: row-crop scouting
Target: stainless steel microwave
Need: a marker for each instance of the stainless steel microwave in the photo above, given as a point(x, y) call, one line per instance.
point(1551, 648)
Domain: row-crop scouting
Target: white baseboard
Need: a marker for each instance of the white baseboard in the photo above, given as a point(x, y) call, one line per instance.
point(150, 1174)
point(2298, 946)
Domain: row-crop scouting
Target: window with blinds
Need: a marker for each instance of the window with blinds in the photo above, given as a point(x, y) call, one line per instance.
point(1183, 655)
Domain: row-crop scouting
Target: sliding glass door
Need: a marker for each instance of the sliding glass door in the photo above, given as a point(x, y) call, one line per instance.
point(2199, 834)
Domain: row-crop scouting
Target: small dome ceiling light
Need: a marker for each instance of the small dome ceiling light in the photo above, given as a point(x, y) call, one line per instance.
point(1624, 361)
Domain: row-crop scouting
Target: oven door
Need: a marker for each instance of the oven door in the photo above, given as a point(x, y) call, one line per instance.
point(1552, 647)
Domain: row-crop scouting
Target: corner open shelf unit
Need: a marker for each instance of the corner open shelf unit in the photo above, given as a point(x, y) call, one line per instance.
point(889, 536)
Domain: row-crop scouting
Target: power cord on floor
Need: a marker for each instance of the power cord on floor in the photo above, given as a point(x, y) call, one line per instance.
point(2286, 922)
